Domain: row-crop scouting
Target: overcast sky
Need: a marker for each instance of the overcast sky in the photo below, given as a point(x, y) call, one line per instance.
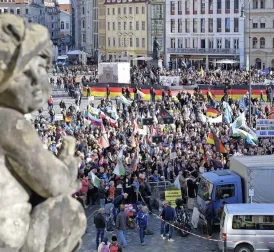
point(63, 1)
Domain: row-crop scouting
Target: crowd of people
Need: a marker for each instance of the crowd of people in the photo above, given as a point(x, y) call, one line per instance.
point(113, 135)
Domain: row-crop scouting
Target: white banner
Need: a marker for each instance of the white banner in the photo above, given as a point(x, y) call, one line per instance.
point(170, 80)
point(265, 127)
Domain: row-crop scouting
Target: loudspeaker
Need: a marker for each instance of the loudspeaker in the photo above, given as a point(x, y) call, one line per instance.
point(148, 121)
point(157, 139)
point(168, 120)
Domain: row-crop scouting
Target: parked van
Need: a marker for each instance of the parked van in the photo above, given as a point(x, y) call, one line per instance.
point(247, 228)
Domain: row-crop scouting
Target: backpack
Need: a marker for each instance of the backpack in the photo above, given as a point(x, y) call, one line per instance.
point(114, 247)
point(105, 248)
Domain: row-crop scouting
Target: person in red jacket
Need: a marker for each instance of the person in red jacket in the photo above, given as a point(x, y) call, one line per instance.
point(84, 189)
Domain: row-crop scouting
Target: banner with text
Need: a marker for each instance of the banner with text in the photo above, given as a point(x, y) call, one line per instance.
point(170, 80)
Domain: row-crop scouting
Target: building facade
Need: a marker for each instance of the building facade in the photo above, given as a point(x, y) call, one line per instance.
point(101, 31)
point(52, 20)
point(65, 32)
point(156, 25)
point(200, 32)
point(32, 10)
point(261, 25)
point(126, 29)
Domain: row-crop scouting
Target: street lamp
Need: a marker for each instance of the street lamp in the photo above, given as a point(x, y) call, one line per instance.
point(249, 51)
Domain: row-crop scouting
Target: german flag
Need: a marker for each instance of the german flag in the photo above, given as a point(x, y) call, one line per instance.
point(271, 114)
point(67, 119)
point(202, 150)
point(211, 112)
point(212, 96)
point(214, 140)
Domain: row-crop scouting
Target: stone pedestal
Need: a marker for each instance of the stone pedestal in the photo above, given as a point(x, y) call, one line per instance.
point(156, 63)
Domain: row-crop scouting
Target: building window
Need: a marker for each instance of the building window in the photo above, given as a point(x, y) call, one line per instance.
point(27, 11)
point(119, 42)
point(130, 42)
point(255, 24)
point(130, 10)
point(273, 23)
point(210, 6)
point(210, 25)
point(143, 10)
point(143, 25)
point(236, 24)
point(202, 6)
point(219, 43)
point(172, 25)
point(227, 43)
point(202, 43)
point(83, 10)
point(83, 36)
point(202, 25)
point(137, 42)
point(172, 42)
point(125, 26)
point(62, 25)
point(137, 10)
point(12, 11)
point(180, 26)
point(227, 25)
point(273, 43)
point(119, 11)
point(187, 7)
point(119, 26)
point(108, 11)
point(180, 7)
point(113, 11)
point(113, 42)
point(143, 43)
point(195, 24)
point(18, 11)
point(255, 4)
point(125, 10)
point(187, 25)
point(227, 5)
point(113, 26)
point(125, 42)
point(236, 4)
point(195, 6)
point(262, 42)
point(195, 43)
point(219, 5)
point(180, 43)
point(187, 42)
point(108, 41)
point(219, 25)
point(236, 43)
point(262, 4)
point(67, 26)
point(130, 26)
point(262, 23)
point(172, 8)
point(108, 26)
point(137, 25)
point(210, 43)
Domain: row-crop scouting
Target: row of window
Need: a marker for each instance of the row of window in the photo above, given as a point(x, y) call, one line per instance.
point(126, 10)
point(63, 25)
point(127, 26)
point(202, 21)
point(262, 43)
point(201, 43)
point(253, 222)
point(16, 11)
point(256, 24)
point(124, 42)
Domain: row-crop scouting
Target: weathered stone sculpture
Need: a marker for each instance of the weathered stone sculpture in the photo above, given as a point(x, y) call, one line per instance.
point(37, 212)
point(156, 54)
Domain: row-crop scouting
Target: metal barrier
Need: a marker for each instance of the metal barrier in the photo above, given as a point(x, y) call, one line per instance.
point(158, 189)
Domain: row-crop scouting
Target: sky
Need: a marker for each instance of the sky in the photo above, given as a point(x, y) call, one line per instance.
point(63, 1)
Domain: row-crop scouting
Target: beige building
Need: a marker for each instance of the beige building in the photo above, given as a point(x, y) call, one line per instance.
point(126, 29)
point(101, 30)
point(262, 33)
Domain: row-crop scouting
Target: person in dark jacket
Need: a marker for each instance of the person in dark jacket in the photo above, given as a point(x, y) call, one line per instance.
point(209, 216)
point(168, 214)
point(102, 192)
point(117, 202)
point(100, 225)
point(121, 225)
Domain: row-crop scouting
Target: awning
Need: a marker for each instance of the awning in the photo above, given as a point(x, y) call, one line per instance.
point(144, 58)
point(227, 61)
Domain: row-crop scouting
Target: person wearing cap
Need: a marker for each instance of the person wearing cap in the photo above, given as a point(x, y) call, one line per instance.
point(168, 214)
point(100, 225)
point(104, 245)
point(121, 225)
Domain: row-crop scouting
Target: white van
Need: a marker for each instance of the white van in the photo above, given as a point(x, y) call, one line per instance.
point(247, 228)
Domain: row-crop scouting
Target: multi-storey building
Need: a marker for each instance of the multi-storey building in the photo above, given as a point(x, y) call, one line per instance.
point(261, 21)
point(52, 17)
point(101, 30)
point(31, 10)
point(65, 31)
point(126, 29)
point(201, 32)
point(156, 25)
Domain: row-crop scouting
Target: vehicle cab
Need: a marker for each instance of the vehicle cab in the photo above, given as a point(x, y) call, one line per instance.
point(219, 186)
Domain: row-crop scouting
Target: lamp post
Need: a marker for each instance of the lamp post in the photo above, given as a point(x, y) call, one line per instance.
point(249, 51)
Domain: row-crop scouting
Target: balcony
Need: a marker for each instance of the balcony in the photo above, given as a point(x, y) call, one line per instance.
point(228, 51)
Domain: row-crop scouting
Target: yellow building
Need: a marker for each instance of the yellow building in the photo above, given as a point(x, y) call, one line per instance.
point(126, 29)
point(101, 30)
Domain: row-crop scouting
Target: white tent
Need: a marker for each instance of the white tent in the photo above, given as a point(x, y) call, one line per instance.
point(227, 61)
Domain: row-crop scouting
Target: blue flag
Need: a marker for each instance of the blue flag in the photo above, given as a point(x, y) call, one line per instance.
point(249, 141)
point(242, 104)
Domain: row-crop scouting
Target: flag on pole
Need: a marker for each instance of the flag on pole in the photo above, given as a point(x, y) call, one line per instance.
point(214, 140)
point(202, 150)
point(212, 96)
point(227, 112)
point(140, 93)
point(134, 162)
point(177, 183)
point(124, 100)
point(212, 112)
point(94, 121)
point(95, 180)
point(202, 72)
point(242, 104)
point(218, 119)
point(67, 119)
point(103, 141)
point(119, 169)
point(239, 122)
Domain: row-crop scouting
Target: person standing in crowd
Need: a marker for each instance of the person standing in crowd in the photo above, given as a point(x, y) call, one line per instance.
point(145, 193)
point(209, 216)
point(104, 246)
point(121, 225)
point(102, 192)
point(169, 215)
point(107, 92)
point(109, 215)
point(50, 103)
point(136, 186)
point(141, 220)
point(162, 230)
point(100, 225)
point(88, 91)
point(84, 189)
point(117, 203)
point(114, 246)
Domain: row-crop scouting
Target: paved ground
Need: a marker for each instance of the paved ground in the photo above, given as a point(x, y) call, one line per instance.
point(154, 242)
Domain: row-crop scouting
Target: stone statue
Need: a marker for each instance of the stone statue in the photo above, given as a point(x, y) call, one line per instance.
point(156, 49)
point(37, 211)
